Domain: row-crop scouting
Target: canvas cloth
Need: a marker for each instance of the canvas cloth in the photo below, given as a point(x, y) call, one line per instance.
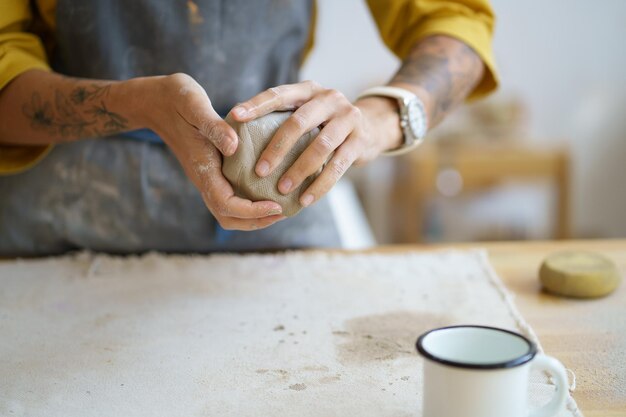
point(239, 168)
point(297, 334)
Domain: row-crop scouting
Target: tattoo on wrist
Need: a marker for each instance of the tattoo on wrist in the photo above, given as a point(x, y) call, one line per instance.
point(446, 68)
point(84, 114)
point(81, 94)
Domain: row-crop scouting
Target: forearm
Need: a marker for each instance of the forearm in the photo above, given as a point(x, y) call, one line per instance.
point(442, 71)
point(41, 107)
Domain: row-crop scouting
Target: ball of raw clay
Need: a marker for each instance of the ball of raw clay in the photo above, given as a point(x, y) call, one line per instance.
point(254, 136)
point(579, 274)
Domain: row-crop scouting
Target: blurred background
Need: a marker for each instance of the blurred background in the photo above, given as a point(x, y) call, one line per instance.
point(543, 158)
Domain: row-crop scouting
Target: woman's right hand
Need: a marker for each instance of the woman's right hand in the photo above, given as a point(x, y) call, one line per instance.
point(178, 109)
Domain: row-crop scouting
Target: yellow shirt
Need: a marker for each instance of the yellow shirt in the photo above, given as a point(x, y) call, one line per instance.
point(401, 24)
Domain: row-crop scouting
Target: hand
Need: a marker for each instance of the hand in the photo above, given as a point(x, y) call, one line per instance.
point(351, 133)
point(178, 109)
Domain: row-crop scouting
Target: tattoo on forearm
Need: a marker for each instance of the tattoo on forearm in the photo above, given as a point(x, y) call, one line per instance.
point(84, 114)
point(446, 68)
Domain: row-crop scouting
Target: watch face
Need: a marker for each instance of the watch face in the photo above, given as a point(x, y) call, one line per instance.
point(416, 119)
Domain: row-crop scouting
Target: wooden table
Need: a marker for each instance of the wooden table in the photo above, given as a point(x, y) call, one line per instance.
point(588, 336)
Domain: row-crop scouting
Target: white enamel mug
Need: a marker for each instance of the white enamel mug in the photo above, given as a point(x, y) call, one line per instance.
point(478, 371)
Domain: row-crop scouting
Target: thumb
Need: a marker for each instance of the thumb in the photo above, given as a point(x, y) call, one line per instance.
point(212, 126)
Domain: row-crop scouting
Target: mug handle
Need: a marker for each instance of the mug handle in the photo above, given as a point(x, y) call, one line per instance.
point(557, 370)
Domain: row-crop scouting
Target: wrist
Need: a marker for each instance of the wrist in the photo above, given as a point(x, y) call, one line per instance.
point(137, 99)
point(422, 94)
point(383, 116)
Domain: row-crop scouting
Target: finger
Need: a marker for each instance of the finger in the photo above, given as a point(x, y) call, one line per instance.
point(316, 154)
point(226, 204)
point(283, 97)
point(219, 195)
point(200, 114)
point(334, 170)
point(242, 208)
point(310, 115)
point(249, 225)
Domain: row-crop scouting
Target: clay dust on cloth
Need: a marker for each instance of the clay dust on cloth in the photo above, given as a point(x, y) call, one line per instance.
point(307, 334)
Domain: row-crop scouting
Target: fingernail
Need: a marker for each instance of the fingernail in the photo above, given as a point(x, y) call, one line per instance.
point(285, 185)
point(240, 112)
point(275, 212)
point(263, 168)
point(231, 147)
point(306, 200)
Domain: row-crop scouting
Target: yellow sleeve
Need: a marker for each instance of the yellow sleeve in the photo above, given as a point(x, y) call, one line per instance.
point(404, 22)
point(19, 52)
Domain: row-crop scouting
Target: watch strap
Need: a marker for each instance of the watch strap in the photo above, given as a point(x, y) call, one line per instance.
point(404, 97)
point(387, 91)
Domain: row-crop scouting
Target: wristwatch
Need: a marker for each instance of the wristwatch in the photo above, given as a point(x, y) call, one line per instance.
point(413, 119)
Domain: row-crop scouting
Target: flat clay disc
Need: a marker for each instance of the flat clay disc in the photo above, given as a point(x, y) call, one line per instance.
point(579, 274)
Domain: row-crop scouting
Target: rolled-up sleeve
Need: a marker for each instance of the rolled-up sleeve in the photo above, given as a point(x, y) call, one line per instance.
point(20, 51)
point(402, 23)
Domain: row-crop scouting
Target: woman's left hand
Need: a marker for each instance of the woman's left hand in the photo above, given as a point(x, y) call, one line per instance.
point(356, 133)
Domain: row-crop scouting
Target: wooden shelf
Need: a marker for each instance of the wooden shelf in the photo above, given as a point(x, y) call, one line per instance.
point(480, 166)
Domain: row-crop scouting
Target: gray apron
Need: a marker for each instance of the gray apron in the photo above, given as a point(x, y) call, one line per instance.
point(123, 195)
